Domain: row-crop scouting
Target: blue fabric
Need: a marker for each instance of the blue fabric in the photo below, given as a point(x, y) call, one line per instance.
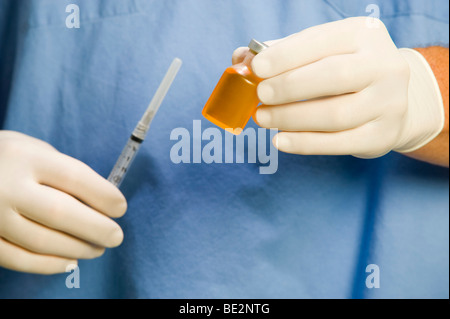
point(218, 230)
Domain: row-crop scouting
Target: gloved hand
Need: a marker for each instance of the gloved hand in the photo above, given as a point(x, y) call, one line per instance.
point(343, 88)
point(53, 209)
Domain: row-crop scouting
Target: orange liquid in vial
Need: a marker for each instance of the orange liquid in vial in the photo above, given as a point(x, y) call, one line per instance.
point(234, 100)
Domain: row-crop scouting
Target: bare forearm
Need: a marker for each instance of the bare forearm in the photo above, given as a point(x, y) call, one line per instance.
point(435, 152)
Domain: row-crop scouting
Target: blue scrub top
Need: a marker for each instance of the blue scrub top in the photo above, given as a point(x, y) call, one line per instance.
point(218, 230)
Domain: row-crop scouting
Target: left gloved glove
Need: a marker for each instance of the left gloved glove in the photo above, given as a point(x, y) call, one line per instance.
point(343, 88)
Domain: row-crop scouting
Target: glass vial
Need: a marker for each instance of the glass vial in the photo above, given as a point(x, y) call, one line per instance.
point(234, 100)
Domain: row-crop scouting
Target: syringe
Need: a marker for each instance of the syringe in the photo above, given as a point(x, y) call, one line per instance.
point(137, 137)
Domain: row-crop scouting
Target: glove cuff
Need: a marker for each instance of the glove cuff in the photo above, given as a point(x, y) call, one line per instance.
point(426, 117)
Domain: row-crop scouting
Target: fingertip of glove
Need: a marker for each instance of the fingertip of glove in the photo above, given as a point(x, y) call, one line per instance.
point(119, 206)
point(262, 117)
point(282, 142)
point(265, 92)
point(261, 66)
point(115, 237)
point(239, 55)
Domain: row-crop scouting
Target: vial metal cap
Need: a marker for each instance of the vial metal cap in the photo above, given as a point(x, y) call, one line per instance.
point(256, 46)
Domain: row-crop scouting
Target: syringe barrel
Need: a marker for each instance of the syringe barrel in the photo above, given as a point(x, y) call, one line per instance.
point(124, 162)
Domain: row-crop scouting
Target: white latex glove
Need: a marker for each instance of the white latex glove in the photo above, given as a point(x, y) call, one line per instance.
point(343, 88)
point(43, 226)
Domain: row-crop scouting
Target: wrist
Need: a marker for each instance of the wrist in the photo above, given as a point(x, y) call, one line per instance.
point(425, 116)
